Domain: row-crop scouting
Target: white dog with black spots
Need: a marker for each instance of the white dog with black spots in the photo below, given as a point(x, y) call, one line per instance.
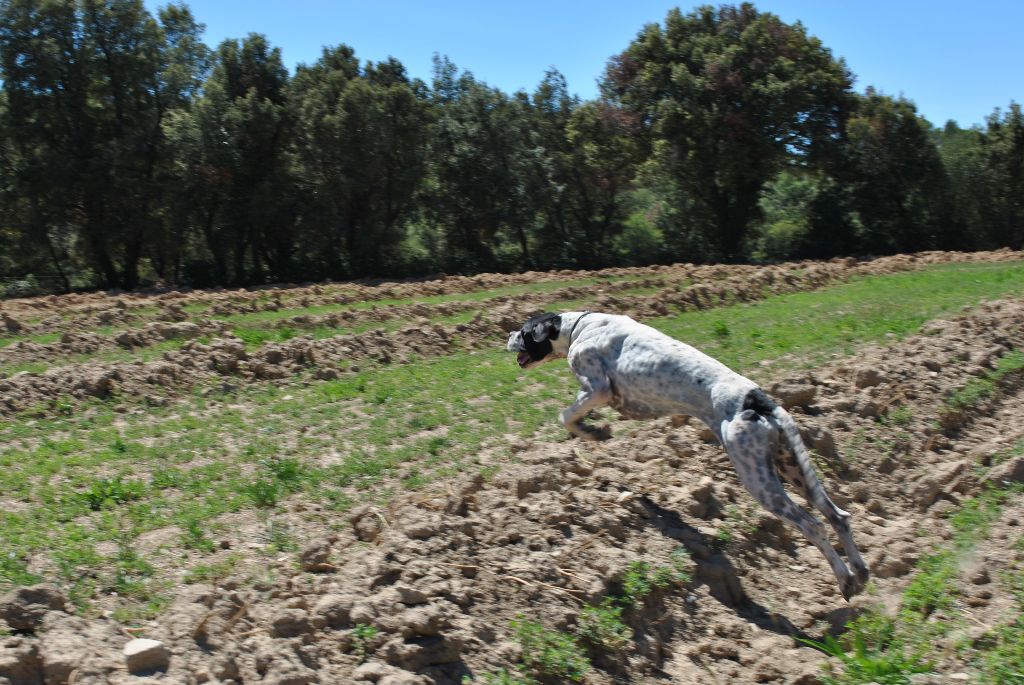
point(643, 373)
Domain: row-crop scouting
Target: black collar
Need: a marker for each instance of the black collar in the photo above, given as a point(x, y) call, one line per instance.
point(577, 323)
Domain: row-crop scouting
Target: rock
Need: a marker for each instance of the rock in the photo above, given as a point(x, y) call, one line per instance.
point(367, 523)
point(19, 662)
point(981, 577)
point(402, 678)
point(821, 441)
point(143, 655)
point(1010, 471)
point(289, 623)
point(868, 377)
point(24, 608)
point(793, 394)
point(410, 595)
point(371, 671)
point(928, 487)
point(335, 609)
point(415, 654)
point(315, 557)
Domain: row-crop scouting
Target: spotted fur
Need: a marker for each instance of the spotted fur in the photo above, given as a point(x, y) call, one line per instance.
point(643, 373)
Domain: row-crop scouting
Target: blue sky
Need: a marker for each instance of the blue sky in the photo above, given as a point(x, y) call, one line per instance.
point(955, 60)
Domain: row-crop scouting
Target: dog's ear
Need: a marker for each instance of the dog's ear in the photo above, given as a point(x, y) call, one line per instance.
point(543, 327)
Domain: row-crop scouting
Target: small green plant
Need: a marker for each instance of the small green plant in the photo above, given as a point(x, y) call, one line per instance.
point(602, 626)
point(279, 537)
point(900, 415)
point(362, 634)
point(720, 330)
point(212, 573)
point(872, 654)
point(263, 492)
point(550, 653)
point(979, 389)
point(131, 571)
point(194, 537)
point(641, 579)
point(109, 492)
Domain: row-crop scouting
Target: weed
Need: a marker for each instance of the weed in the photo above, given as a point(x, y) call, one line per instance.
point(979, 389)
point(194, 537)
point(900, 415)
point(279, 537)
point(550, 653)
point(602, 626)
point(362, 634)
point(263, 492)
point(873, 654)
point(110, 492)
point(212, 573)
point(640, 579)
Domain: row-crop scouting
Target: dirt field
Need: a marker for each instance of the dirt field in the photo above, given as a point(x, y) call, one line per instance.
point(542, 559)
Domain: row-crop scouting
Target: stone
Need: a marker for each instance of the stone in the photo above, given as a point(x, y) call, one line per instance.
point(24, 608)
point(142, 655)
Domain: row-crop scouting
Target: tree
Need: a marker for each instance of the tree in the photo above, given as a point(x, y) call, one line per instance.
point(729, 96)
point(360, 154)
point(87, 89)
point(1005, 155)
point(897, 184)
point(233, 166)
point(483, 162)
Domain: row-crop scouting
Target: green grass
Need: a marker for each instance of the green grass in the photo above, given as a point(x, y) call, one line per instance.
point(977, 390)
point(550, 653)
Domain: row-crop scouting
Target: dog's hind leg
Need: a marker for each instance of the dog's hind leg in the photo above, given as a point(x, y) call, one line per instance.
point(749, 440)
point(814, 493)
point(800, 473)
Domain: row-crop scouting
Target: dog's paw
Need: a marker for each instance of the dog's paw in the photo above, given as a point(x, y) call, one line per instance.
point(598, 433)
point(853, 585)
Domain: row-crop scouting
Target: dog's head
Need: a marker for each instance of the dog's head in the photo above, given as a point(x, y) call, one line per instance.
point(534, 341)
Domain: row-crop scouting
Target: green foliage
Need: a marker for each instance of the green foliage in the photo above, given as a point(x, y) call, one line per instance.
point(878, 648)
point(979, 389)
point(109, 492)
point(641, 579)
point(898, 187)
point(362, 636)
point(872, 654)
point(549, 653)
point(131, 153)
point(696, 78)
point(1003, 664)
point(500, 677)
point(602, 626)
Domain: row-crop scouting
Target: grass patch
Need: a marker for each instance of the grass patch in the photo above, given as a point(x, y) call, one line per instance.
point(977, 390)
point(550, 653)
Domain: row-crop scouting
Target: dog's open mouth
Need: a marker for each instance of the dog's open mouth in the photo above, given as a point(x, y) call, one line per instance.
point(523, 358)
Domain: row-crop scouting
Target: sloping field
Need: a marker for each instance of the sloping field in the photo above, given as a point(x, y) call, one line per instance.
point(354, 483)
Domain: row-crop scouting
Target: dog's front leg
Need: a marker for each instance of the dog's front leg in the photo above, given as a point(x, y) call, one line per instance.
point(593, 393)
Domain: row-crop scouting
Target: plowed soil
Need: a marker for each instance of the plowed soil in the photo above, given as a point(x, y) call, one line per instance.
point(424, 588)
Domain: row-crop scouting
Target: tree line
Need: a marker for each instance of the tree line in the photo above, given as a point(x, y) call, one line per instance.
point(132, 153)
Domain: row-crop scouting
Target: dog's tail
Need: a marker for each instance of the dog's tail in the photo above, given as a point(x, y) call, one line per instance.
point(814, 489)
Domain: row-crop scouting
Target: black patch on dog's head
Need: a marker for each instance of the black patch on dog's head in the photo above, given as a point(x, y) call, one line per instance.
point(538, 332)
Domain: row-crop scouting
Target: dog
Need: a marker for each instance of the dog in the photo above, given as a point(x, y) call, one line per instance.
point(643, 373)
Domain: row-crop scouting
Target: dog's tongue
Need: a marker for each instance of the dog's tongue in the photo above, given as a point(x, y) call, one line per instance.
point(523, 358)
